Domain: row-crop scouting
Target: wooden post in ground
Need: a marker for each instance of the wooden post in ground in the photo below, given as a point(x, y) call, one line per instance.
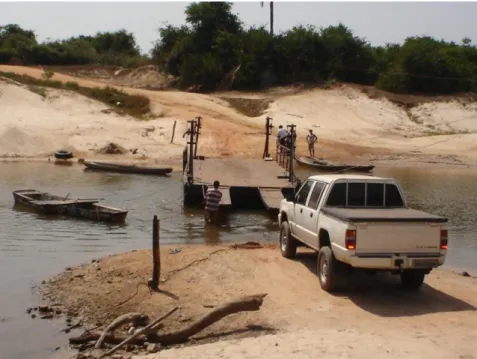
point(156, 255)
point(173, 131)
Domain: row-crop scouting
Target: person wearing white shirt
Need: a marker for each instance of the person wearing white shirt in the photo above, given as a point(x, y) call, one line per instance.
point(311, 139)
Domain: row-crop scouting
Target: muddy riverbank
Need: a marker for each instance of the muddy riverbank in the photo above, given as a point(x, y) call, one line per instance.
point(200, 278)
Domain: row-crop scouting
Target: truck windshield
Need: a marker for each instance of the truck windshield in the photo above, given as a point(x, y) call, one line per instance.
point(356, 194)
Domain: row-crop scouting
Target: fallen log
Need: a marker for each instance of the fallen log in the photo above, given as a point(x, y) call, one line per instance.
point(138, 333)
point(245, 304)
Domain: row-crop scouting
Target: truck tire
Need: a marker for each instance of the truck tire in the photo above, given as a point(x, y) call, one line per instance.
point(412, 279)
point(288, 244)
point(327, 269)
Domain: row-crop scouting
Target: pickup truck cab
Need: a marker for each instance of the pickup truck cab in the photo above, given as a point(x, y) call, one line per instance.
point(361, 222)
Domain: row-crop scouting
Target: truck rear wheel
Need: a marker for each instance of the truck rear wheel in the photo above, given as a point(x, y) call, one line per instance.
point(327, 269)
point(412, 279)
point(287, 242)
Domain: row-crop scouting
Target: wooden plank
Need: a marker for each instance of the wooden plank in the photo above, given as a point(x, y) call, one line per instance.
point(271, 198)
point(59, 202)
point(240, 172)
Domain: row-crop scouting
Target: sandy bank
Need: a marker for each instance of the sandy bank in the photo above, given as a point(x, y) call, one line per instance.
point(351, 124)
point(34, 126)
point(373, 316)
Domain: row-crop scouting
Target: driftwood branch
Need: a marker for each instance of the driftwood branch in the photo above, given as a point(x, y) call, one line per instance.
point(138, 333)
point(135, 318)
point(245, 304)
point(110, 339)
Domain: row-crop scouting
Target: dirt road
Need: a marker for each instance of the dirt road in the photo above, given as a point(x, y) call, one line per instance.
point(373, 316)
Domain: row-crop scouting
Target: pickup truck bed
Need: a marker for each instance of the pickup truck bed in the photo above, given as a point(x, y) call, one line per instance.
point(382, 215)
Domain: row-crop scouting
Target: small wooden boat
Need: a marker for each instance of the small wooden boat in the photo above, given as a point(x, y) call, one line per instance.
point(49, 204)
point(330, 167)
point(113, 167)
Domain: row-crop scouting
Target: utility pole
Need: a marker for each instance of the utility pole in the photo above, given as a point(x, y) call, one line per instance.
point(291, 175)
point(271, 16)
point(198, 127)
point(268, 130)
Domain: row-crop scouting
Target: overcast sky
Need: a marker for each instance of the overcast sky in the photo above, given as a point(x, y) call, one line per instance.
point(379, 23)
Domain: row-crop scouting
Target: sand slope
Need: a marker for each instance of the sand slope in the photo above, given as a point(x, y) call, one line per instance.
point(350, 124)
point(33, 126)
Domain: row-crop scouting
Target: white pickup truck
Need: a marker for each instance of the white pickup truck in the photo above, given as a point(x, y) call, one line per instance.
point(361, 222)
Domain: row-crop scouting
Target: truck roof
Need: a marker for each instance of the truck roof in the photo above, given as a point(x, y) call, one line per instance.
point(334, 177)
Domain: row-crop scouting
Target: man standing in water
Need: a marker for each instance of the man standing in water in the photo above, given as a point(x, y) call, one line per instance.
point(311, 139)
point(212, 201)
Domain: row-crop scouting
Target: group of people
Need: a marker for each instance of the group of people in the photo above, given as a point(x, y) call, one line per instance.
point(213, 195)
point(284, 138)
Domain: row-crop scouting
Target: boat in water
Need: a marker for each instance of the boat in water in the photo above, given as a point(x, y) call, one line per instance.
point(49, 204)
point(322, 165)
point(114, 167)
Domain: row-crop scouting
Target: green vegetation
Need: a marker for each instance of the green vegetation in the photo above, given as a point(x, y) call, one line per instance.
point(120, 101)
point(212, 45)
point(214, 50)
point(249, 107)
point(38, 90)
point(20, 47)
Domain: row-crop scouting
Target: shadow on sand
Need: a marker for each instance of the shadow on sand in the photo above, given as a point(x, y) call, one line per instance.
point(382, 294)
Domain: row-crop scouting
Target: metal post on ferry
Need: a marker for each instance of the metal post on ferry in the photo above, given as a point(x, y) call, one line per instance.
point(190, 174)
point(268, 129)
point(291, 175)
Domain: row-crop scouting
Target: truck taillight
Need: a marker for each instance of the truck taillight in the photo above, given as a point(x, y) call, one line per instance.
point(350, 239)
point(443, 238)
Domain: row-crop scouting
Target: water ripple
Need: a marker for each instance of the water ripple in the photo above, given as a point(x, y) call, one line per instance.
point(33, 247)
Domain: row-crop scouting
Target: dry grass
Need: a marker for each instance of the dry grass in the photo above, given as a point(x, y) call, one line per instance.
point(248, 107)
point(120, 101)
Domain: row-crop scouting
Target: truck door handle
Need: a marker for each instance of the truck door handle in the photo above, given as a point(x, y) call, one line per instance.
point(311, 214)
point(301, 210)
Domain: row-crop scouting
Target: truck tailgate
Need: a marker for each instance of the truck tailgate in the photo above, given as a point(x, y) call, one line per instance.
point(397, 238)
point(392, 230)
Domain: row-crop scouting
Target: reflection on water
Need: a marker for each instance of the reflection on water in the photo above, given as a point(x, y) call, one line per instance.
point(33, 248)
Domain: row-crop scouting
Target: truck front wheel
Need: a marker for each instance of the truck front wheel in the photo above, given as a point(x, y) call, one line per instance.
point(327, 269)
point(287, 242)
point(412, 279)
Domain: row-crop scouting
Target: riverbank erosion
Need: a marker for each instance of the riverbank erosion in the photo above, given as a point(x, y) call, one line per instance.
point(373, 315)
point(359, 124)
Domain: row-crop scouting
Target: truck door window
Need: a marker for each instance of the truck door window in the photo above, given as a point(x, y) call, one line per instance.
point(337, 196)
point(316, 195)
point(356, 194)
point(393, 197)
point(303, 193)
point(375, 195)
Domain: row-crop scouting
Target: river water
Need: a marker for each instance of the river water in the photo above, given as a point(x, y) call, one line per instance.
point(33, 248)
